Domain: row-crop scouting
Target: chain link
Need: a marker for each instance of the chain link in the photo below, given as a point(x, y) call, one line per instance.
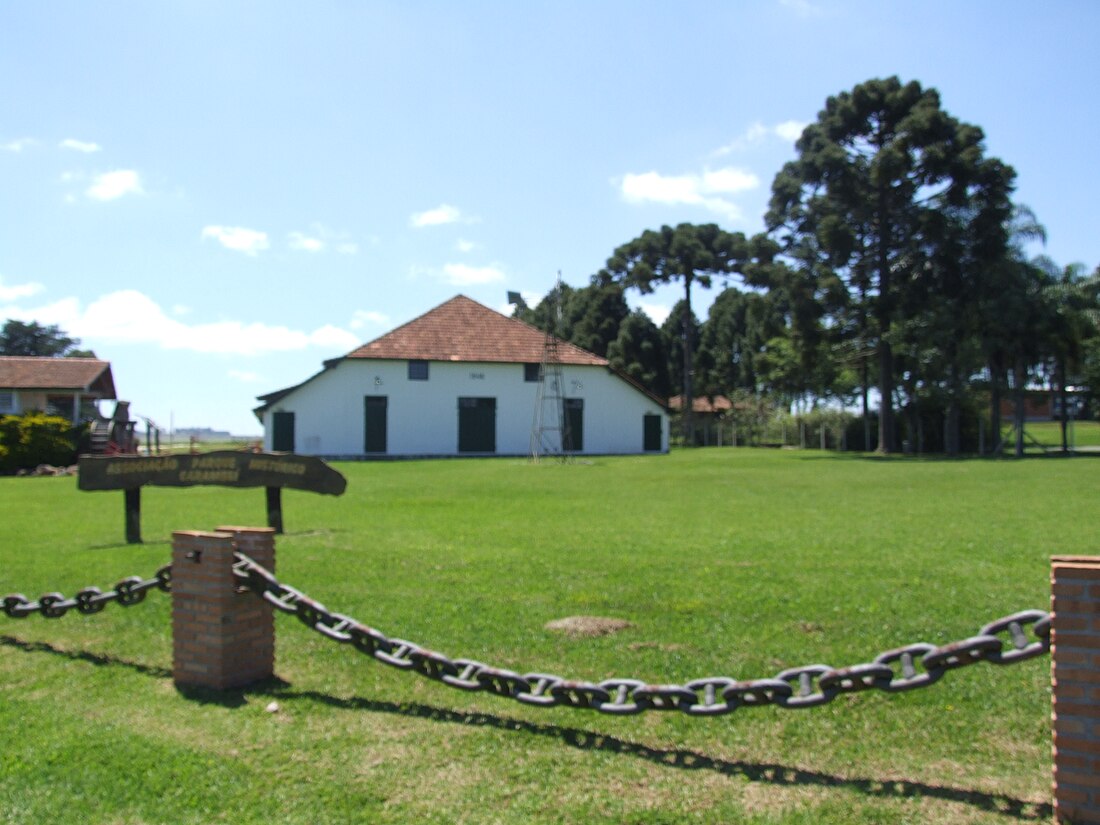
point(128, 592)
point(905, 668)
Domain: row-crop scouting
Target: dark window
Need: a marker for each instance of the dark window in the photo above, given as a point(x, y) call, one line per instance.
point(532, 372)
point(418, 370)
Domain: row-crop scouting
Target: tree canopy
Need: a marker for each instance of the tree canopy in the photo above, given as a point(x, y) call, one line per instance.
point(894, 262)
point(23, 338)
point(886, 183)
point(688, 253)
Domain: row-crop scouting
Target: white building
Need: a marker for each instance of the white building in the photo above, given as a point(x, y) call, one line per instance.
point(461, 379)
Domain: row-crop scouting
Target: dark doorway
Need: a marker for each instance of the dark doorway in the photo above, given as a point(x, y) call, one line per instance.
point(477, 425)
point(573, 434)
point(652, 433)
point(374, 423)
point(282, 436)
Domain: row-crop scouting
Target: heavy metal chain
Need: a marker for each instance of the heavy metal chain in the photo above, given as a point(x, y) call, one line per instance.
point(905, 668)
point(128, 592)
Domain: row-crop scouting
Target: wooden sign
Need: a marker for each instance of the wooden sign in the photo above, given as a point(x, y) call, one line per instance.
point(228, 468)
point(225, 468)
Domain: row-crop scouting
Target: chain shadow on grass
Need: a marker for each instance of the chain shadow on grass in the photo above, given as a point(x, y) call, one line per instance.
point(679, 758)
point(579, 738)
point(97, 659)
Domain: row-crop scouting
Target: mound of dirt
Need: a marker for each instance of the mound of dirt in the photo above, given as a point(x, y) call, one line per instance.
point(588, 625)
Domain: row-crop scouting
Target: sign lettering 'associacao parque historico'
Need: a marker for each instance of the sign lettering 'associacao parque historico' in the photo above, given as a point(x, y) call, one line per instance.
point(227, 468)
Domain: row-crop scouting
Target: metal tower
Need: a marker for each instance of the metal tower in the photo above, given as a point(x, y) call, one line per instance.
point(550, 429)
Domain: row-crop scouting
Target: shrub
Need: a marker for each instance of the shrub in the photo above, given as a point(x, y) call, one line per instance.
point(35, 438)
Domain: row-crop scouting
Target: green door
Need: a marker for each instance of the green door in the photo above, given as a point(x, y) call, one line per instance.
point(477, 425)
point(573, 435)
point(282, 436)
point(374, 422)
point(652, 433)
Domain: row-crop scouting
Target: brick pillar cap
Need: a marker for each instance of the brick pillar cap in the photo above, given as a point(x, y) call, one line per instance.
point(202, 534)
point(261, 531)
point(1075, 560)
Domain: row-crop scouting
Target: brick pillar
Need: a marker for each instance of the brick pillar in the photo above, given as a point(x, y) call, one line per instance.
point(1075, 677)
point(222, 638)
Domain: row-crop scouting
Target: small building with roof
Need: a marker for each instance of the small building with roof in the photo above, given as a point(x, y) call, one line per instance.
point(459, 380)
point(69, 387)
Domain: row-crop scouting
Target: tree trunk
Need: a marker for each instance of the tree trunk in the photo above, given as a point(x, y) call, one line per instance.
point(689, 399)
point(886, 401)
point(995, 404)
point(886, 441)
point(951, 422)
point(1019, 377)
point(1060, 372)
point(866, 412)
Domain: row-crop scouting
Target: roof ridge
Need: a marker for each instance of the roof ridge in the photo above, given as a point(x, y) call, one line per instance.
point(464, 330)
point(409, 322)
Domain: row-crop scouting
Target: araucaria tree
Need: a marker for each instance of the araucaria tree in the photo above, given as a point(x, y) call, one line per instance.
point(869, 171)
point(689, 253)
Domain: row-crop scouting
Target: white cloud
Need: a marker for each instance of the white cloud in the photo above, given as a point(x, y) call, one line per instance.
point(245, 376)
point(112, 185)
point(752, 136)
point(757, 133)
point(131, 317)
point(17, 291)
point(656, 312)
point(237, 238)
point(333, 337)
point(442, 214)
point(17, 145)
point(79, 145)
point(463, 245)
point(790, 130)
point(367, 317)
point(692, 189)
point(320, 238)
point(729, 180)
point(803, 8)
point(301, 242)
point(463, 275)
point(181, 309)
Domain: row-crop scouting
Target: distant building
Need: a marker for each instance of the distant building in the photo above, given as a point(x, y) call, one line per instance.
point(69, 387)
point(1045, 405)
point(461, 379)
point(708, 417)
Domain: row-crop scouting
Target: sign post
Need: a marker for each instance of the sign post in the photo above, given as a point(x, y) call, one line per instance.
point(272, 471)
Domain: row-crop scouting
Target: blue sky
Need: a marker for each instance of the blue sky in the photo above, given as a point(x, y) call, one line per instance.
point(216, 197)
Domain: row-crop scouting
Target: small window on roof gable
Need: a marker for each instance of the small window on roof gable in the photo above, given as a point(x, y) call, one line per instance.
point(418, 370)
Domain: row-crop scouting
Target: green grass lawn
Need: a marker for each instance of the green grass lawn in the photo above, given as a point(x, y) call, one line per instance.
point(726, 562)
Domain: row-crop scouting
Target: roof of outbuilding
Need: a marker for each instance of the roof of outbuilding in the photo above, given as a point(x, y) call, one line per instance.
point(703, 404)
point(88, 375)
point(461, 329)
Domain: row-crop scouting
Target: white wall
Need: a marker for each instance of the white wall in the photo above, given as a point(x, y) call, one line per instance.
point(422, 416)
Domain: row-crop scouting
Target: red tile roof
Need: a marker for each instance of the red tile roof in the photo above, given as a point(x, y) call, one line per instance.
point(89, 375)
point(464, 330)
point(717, 404)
